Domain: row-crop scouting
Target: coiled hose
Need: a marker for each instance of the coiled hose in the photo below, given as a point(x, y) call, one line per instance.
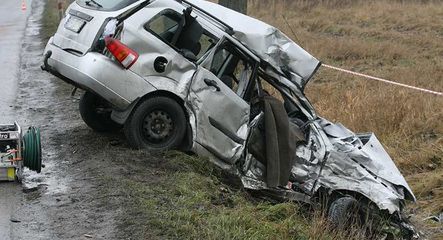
point(32, 153)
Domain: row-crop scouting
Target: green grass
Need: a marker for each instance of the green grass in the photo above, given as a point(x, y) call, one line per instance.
point(50, 19)
point(187, 200)
point(191, 203)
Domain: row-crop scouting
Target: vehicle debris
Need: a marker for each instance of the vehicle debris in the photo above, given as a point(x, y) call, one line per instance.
point(199, 77)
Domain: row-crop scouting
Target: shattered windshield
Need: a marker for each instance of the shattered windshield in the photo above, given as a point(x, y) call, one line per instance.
point(105, 5)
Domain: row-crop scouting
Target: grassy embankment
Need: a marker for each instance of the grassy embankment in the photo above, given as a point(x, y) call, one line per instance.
point(396, 41)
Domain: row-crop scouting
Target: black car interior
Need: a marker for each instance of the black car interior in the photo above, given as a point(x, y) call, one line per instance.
point(182, 31)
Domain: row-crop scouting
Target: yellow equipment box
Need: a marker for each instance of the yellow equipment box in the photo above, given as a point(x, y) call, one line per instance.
point(18, 151)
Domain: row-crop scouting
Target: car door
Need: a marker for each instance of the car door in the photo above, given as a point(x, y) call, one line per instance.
point(220, 110)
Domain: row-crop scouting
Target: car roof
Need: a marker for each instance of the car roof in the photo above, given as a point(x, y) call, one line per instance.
point(267, 42)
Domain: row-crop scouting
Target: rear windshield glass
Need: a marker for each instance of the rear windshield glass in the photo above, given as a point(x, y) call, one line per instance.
point(105, 5)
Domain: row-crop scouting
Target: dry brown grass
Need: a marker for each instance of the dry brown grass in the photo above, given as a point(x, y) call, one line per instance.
point(398, 40)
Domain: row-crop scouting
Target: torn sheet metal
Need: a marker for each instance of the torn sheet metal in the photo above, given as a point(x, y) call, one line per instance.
point(367, 151)
point(267, 42)
point(334, 158)
point(361, 164)
point(222, 136)
point(341, 173)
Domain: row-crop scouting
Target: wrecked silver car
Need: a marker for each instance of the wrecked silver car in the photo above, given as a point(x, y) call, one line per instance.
point(199, 77)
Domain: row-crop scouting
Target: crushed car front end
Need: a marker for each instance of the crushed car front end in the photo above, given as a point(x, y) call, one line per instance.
point(359, 166)
point(359, 163)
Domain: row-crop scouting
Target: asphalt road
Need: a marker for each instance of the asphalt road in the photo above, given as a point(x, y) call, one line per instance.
point(67, 200)
point(12, 27)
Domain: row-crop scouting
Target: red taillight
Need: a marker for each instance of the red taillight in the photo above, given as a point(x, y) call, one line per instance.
point(126, 56)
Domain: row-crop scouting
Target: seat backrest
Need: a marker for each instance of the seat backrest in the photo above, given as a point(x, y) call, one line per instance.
point(190, 37)
point(227, 80)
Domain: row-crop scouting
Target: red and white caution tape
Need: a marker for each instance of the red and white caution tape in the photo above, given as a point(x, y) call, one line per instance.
point(383, 80)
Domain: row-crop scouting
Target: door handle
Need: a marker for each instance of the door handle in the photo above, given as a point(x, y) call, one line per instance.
point(212, 83)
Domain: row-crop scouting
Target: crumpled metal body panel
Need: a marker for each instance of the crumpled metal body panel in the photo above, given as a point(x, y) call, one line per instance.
point(363, 167)
point(225, 101)
point(336, 159)
point(309, 159)
point(341, 173)
point(185, 79)
point(267, 42)
point(375, 158)
point(298, 97)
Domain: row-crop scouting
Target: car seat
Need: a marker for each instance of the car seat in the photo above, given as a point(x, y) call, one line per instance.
point(189, 35)
point(228, 81)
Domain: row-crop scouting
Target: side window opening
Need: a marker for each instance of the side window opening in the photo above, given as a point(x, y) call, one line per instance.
point(269, 89)
point(233, 67)
point(164, 25)
point(183, 32)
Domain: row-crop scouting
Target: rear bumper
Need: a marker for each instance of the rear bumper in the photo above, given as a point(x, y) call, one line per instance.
point(92, 72)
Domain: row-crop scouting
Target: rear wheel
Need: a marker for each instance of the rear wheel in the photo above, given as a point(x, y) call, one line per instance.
point(158, 123)
point(96, 113)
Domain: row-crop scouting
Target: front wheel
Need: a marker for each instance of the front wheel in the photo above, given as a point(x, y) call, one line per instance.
point(345, 211)
point(158, 123)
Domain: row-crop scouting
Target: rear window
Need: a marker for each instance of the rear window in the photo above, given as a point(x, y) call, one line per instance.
point(105, 5)
point(166, 24)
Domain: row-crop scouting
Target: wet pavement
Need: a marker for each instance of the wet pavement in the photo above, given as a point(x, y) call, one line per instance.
point(9, 199)
point(12, 27)
point(70, 198)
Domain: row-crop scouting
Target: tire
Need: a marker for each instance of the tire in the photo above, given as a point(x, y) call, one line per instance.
point(95, 112)
point(345, 211)
point(158, 123)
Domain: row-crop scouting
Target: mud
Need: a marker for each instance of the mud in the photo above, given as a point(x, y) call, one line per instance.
point(72, 198)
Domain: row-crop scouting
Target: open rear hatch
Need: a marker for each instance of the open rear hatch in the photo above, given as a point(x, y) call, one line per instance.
point(85, 20)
